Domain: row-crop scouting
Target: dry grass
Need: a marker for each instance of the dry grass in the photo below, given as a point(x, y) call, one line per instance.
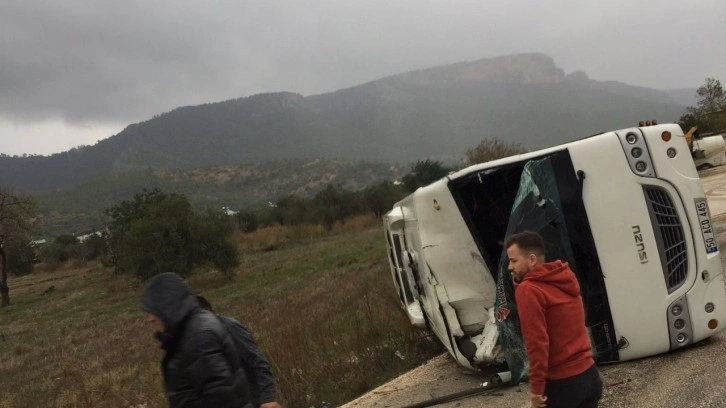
point(320, 303)
point(79, 345)
point(273, 237)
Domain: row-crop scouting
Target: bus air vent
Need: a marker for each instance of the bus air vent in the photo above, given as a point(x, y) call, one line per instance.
point(669, 236)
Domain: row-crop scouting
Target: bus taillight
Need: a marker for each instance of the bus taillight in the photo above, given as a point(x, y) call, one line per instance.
point(713, 324)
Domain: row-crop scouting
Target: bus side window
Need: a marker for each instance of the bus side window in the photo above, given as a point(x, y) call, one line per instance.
point(397, 247)
point(390, 249)
point(400, 274)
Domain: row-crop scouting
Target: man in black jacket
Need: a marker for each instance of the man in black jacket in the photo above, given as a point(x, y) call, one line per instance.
point(254, 362)
point(201, 365)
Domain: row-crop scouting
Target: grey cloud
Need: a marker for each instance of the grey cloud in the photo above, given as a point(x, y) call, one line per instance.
point(104, 61)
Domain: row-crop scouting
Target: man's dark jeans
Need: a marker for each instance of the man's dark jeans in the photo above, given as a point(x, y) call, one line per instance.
point(580, 391)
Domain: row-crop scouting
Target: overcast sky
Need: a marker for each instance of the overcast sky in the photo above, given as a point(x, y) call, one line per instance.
point(73, 72)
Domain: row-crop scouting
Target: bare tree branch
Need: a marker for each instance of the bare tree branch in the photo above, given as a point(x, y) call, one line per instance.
point(17, 216)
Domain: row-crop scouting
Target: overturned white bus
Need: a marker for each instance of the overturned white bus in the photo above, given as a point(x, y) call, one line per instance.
point(625, 208)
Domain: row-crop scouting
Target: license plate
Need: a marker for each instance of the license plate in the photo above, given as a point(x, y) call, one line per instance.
point(709, 238)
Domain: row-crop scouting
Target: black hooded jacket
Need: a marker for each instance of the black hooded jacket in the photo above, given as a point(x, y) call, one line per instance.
point(201, 366)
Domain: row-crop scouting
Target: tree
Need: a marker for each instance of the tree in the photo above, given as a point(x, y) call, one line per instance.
point(207, 247)
point(159, 232)
point(92, 247)
point(492, 149)
point(712, 97)
point(122, 216)
point(329, 206)
point(424, 172)
point(63, 248)
point(20, 257)
point(53, 255)
point(381, 197)
point(688, 120)
point(289, 210)
point(709, 114)
point(246, 221)
point(17, 213)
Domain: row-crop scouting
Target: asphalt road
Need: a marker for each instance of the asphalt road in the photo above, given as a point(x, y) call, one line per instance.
point(691, 378)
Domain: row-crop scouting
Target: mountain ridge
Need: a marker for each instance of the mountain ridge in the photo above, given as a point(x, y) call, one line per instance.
point(429, 113)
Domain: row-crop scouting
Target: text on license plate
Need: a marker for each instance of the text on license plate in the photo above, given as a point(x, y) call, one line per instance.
point(709, 238)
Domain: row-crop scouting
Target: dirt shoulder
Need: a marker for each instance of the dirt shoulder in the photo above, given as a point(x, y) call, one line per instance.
point(690, 378)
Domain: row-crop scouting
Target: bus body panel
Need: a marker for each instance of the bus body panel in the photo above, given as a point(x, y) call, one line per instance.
point(460, 287)
point(623, 237)
point(711, 290)
point(698, 290)
point(457, 289)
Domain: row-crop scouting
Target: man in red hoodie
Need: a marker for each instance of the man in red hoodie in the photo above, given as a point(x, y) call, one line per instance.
point(562, 372)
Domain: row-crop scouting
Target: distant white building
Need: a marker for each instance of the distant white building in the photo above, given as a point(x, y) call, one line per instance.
point(82, 238)
point(229, 211)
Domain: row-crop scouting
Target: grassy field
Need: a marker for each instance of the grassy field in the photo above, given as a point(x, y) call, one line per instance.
point(320, 303)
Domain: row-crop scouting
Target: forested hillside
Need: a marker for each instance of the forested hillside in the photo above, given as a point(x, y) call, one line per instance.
point(238, 187)
point(437, 113)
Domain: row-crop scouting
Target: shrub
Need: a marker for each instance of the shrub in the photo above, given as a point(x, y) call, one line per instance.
point(92, 247)
point(19, 259)
point(492, 149)
point(160, 232)
point(424, 172)
point(53, 255)
point(247, 221)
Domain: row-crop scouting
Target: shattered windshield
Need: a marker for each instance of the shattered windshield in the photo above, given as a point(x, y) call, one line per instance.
point(538, 206)
point(543, 194)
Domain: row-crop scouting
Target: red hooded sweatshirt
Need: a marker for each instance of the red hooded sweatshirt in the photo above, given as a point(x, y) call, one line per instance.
point(553, 324)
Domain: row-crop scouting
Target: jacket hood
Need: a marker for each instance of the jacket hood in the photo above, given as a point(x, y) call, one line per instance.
point(558, 274)
point(170, 299)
